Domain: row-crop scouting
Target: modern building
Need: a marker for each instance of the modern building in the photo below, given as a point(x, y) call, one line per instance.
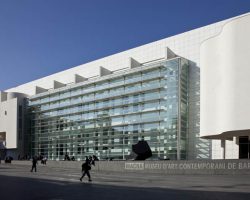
point(186, 95)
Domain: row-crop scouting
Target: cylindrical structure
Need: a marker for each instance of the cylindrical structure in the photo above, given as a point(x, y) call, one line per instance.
point(225, 82)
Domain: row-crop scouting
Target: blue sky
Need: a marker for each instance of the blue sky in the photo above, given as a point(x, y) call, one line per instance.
point(42, 37)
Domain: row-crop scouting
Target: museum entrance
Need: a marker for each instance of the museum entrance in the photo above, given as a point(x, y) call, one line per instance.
point(244, 147)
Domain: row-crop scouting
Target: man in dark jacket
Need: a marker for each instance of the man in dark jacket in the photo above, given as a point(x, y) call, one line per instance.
point(34, 163)
point(86, 166)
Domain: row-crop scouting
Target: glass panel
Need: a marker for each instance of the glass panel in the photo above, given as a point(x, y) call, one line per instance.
point(105, 122)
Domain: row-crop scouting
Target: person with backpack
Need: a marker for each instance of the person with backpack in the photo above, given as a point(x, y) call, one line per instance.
point(86, 167)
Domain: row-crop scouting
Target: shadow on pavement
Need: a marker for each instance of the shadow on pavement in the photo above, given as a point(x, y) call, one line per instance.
point(20, 188)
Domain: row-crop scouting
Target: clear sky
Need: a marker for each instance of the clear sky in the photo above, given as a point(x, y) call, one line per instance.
point(42, 37)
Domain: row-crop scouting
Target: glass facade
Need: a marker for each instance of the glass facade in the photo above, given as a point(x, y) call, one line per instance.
point(105, 116)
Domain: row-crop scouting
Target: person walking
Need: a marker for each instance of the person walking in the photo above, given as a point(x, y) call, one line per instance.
point(34, 163)
point(44, 160)
point(86, 167)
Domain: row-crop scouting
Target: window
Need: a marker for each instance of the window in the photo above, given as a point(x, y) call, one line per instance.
point(151, 106)
point(133, 77)
point(125, 110)
point(101, 94)
point(136, 98)
point(116, 91)
point(117, 120)
point(65, 94)
point(101, 85)
point(89, 97)
point(136, 108)
point(117, 81)
point(5, 112)
point(88, 88)
point(125, 100)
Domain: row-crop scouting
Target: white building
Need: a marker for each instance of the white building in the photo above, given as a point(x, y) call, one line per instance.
point(217, 107)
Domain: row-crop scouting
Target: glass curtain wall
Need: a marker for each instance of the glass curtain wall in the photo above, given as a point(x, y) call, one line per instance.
point(106, 117)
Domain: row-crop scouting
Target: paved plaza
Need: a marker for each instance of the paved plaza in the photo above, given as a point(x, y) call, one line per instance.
point(17, 183)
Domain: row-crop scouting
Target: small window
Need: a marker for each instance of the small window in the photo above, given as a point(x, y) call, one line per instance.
point(5, 112)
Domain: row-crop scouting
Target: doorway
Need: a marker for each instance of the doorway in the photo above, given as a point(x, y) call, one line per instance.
point(244, 147)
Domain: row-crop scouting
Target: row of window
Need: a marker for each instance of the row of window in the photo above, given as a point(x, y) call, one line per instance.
point(78, 113)
point(166, 93)
point(139, 76)
point(107, 120)
point(109, 103)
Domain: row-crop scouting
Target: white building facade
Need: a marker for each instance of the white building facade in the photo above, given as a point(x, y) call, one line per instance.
point(225, 69)
point(201, 114)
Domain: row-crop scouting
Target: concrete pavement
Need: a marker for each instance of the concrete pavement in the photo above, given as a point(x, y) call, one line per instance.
point(17, 182)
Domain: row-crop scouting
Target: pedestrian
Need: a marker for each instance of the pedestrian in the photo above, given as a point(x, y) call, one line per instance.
point(86, 166)
point(44, 160)
point(34, 163)
point(95, 158)
point(66, 157)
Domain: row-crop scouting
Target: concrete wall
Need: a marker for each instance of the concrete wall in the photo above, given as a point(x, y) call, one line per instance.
point(8, 122)
point(212, 167)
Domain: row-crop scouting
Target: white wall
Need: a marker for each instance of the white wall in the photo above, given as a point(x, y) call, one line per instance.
point(217, 150)
point(8, 123)
point(225, 85)
point(225, 82)
point(231, 149)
